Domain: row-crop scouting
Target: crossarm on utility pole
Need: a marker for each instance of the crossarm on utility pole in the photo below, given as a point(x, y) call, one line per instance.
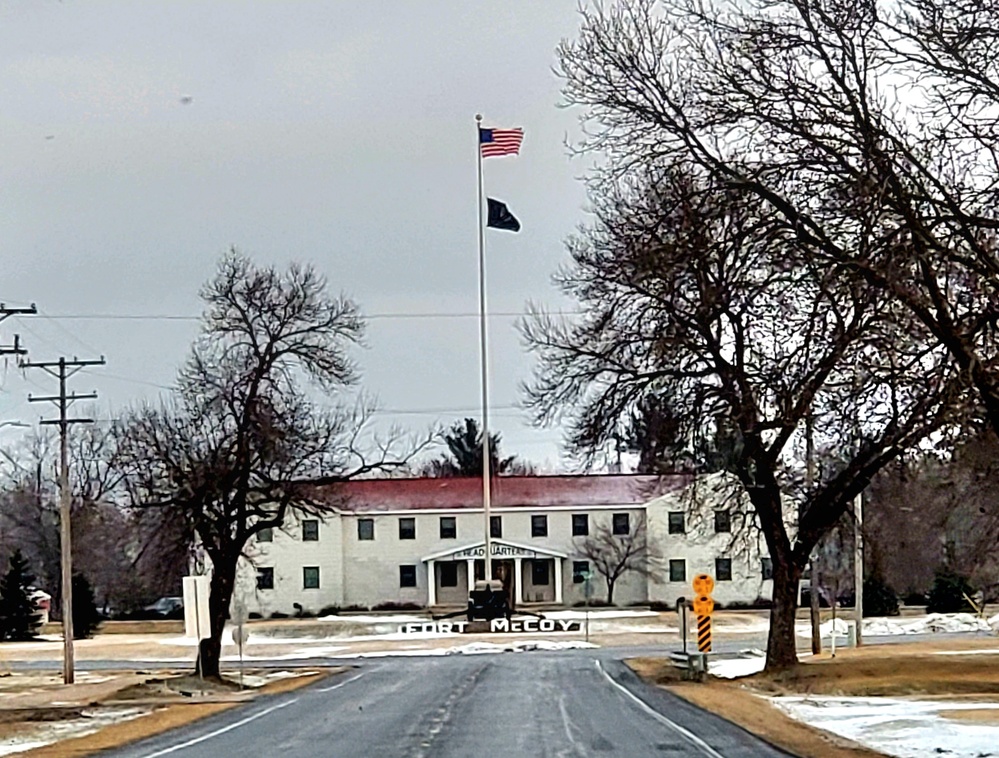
point(63, 369)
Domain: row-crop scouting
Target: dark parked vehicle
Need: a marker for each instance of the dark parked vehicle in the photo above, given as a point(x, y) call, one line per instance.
point(165, 607)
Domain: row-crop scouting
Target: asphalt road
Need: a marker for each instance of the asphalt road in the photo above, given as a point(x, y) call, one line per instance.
point(549, 705)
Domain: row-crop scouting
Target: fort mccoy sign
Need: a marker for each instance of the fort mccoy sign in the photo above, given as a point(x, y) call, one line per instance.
point(496, 626)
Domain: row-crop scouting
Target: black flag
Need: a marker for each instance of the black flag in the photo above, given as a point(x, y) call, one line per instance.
point(500, 216)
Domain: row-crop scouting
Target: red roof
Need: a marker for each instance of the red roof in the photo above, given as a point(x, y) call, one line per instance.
point(507, 492)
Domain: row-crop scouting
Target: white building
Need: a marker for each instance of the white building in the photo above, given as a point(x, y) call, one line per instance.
point(421, 541)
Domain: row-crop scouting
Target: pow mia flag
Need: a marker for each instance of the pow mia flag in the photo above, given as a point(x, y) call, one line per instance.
point(500, 216)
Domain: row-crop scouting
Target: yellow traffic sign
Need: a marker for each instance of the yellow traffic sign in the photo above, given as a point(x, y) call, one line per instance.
point(703, 605)
point(703, 584)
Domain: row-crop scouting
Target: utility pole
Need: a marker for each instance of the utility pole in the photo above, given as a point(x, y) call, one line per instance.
point(62, 370)
point(858, 525)
point(813, 575)
point(858, 565)
point(5, 313)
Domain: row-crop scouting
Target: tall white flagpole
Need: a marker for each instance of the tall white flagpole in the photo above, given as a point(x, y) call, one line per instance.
point(486, 474)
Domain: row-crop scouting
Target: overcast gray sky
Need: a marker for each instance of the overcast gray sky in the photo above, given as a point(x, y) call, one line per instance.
point(338, 133)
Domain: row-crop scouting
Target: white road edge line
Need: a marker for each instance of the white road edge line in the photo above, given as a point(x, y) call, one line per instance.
point(686, 733)
point(223, 730)
point(338, 685)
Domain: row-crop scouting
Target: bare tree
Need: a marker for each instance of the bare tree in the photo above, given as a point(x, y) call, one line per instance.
point(240, 446)
point(934, 510)
point(29, 513)
point(614, 555)
point(868, 132)
point(693, 291)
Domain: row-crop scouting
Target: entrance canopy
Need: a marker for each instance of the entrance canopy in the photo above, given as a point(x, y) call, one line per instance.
point(498, 549)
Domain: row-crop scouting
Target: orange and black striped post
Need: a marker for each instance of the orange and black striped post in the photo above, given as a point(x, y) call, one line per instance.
point(704, 634)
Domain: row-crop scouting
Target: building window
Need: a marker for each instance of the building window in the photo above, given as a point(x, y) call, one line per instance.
point(310, 530)
point(580, 524)
point(266, 534)
point(622, 524)
point(365, 529)
point(539, 526)
point(723, 569)
point(265, 578)
point(449, 527)
point(310, 578)
point(496, 527)
point(407, 576)
point(539, 573)
point(678, 570)
point(676, 525)
point(449, 574)
point(580, 570)
point(407, 529)
point(768, 568)
point(723, 521)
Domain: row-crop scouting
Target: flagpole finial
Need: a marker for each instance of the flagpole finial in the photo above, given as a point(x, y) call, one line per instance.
point(478, 117)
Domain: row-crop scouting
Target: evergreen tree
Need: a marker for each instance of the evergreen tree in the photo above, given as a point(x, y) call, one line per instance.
point(879, 597)
point(85, 615)
point(19, 616)
point(464, 456)
point(950, 592)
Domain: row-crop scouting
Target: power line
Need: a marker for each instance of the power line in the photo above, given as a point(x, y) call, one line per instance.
point(400, 315)
point(72, 336)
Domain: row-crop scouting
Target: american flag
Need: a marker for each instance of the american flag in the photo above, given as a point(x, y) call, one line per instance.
point(500, 141)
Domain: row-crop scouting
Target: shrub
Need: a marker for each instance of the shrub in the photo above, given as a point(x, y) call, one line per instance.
point(253, 616)
point(915, 598)
point(19, 616)
point(279, 615)
point(336, 610)
point(761, 603)
point(594, 603)
point(86, 617)
point(947, 594)
point(879, 598)
point(397, 607)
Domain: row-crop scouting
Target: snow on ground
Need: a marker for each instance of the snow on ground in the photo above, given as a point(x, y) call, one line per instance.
point(259, 680)
point(579, 615)
point(750, 662)
point(896, 727)
point(479, 648)
point(391, 618)
point(53, 731)
point(928, 624)
point(985, 651)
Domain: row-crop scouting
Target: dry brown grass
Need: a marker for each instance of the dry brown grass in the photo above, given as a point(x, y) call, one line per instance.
point(988, 716)
point(884, 671)
point(896, 670)
point(160, 720)
point(752, 712)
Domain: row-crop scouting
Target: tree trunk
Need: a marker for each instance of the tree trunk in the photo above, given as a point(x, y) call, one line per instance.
point(210, 650)
point(610, 591)
point(782, 643)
